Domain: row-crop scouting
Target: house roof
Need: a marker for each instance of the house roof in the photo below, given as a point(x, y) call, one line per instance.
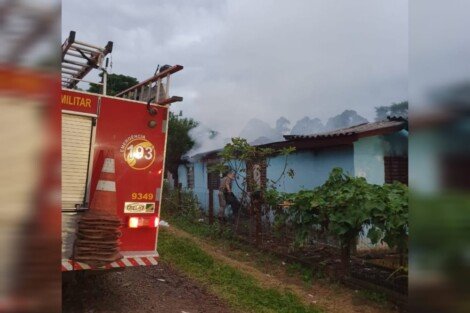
point(205, 154)
point(339, 137)
point(390, 125)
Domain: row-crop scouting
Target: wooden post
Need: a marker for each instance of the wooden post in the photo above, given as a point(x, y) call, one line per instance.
point(346, 255)
point(258, 226)
point(180, 206)
point(211, 206)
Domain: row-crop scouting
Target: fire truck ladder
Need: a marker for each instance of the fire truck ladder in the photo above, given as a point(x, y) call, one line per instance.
point(155, 88)
point(79, 58)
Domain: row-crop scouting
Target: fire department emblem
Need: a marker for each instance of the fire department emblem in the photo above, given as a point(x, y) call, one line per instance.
point(138, 152)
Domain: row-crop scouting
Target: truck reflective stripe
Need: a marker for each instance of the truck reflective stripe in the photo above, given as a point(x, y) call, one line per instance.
point(84, 266)
point(67, 265)
point(126, 262)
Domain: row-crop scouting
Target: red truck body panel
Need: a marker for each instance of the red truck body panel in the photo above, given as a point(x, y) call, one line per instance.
point(122, 126)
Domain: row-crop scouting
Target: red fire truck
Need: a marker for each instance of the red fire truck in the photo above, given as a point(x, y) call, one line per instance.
point(133, 125)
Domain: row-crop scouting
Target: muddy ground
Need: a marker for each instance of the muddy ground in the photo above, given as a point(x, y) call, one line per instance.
point(138, 289)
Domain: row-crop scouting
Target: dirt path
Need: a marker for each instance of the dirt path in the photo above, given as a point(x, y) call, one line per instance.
point(139, 289)
point(330, 297)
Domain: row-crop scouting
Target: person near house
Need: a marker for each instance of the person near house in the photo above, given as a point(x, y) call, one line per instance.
point(226, 196)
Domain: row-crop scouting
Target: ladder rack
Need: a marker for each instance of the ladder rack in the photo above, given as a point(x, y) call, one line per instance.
point(154, 89)
point(79, 58)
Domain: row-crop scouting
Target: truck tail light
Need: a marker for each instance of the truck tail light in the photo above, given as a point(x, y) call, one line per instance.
point(133, 222)
point(138, 222)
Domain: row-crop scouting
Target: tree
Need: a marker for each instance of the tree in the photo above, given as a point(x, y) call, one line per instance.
point(241, 157)
point(179, 142)
point(116, 83)
point(399, 109)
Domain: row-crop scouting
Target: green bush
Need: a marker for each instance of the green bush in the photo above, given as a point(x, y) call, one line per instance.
point(182, 203)
point(342, 206)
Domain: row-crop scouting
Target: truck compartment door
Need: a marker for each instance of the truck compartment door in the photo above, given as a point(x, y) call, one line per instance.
point(76, 139)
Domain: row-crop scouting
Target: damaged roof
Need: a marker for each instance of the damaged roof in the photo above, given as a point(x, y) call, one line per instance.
point(343, 136)
point(392, 124)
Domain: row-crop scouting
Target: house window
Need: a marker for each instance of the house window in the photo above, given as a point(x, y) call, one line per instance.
point(396, 169)
point(190, 176)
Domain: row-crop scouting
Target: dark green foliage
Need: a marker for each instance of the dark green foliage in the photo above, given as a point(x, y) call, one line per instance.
point(116, 84)
point(390, 216)
point(396, 109)
point(307, 274)
point(178, 202)
point(236, 154)
point(343, 205)
point(179, 141)
point(373, 296)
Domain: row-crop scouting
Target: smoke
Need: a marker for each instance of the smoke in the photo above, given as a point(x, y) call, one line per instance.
point(206, 140)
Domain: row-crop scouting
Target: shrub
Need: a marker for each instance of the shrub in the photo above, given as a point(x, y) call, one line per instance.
point(343, 205)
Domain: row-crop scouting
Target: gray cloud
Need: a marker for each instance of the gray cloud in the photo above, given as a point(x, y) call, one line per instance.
point(261, 59)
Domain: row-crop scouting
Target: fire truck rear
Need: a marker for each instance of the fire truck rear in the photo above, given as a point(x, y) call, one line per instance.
point(113, 159)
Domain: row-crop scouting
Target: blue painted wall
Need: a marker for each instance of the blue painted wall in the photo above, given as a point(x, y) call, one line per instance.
point(311, 168)
point(369, 154)
point(183, 176)
point(426, 148)
point(369, 159)
point(200, 183)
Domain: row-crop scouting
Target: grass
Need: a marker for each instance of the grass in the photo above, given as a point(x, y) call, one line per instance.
point(307, 274)
point(226, 238)
point(241, 291)
point(201, 229)
point(373, 296)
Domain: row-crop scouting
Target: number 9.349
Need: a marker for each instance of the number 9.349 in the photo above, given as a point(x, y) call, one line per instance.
point(141, 196)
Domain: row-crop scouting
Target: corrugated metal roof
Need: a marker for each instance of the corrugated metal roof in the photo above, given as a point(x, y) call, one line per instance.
point(204, 154)
point(386, 125)
point(390, 125)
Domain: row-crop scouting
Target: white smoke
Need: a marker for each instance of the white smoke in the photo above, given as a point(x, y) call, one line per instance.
point(206, 140)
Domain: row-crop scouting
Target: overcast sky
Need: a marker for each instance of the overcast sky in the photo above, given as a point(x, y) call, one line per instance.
point(262, 59)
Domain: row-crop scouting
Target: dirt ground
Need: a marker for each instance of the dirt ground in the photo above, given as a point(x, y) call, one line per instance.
point(138, 289)
point(163, 289)
point(329, 297)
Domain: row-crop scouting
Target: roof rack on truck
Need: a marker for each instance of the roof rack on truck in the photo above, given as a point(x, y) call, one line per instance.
point(154, 88)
